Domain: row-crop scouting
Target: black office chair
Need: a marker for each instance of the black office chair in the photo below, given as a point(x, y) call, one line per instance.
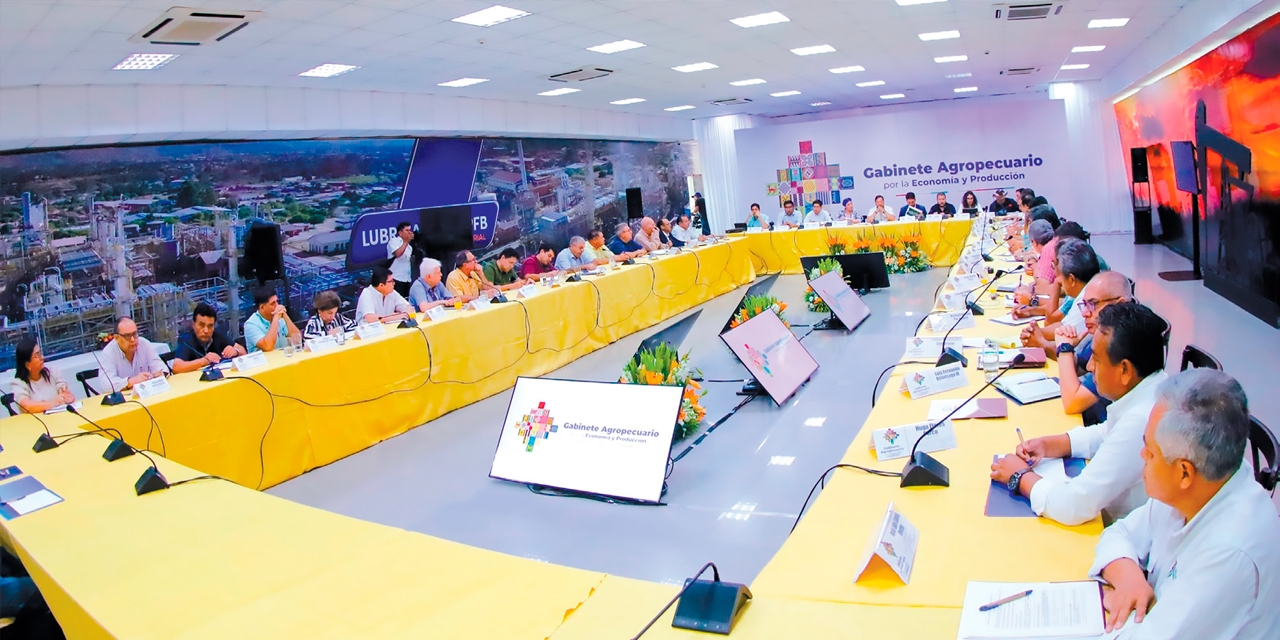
point(240, 341)
point(1193, 356)
point(1262, 441)
point(167, 358)
point(84, 377)
point(7, 400)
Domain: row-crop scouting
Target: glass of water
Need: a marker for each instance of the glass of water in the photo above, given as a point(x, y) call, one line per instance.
point(989, 361)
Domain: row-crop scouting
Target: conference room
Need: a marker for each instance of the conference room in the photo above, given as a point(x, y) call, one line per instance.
point(638, 319)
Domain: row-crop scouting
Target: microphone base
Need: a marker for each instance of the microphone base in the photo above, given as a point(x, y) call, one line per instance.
point(830, 324)
point(987, 258)
point(211, 374)
point(408, 323)
point(113, 399)
point(116, 450)
point(951, 355)
point(151, 480)
point(924, 471)
point(710, 606)
point(44, 443)
point(976, 310)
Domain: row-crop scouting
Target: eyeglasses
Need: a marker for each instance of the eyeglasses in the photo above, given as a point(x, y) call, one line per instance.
point(128, 336)
point(1092, 305)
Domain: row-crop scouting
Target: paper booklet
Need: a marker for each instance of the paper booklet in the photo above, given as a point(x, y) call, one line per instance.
point(1026, 388)
point(1053, 610)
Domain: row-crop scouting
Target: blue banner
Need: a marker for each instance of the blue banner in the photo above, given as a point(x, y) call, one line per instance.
point(372, 231)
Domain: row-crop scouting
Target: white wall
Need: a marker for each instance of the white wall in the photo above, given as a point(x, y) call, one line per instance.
point(55, 116)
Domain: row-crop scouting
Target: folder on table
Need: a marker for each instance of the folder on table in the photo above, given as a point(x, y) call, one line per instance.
point(1002, 504)
point(1027, 388)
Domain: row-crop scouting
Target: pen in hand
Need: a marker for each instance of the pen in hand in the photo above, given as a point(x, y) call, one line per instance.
point(1025, 456)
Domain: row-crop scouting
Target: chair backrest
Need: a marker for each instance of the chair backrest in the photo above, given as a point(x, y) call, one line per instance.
point(1193, 356)
point(7, 400)
point(84, 377)
point(1262, 441)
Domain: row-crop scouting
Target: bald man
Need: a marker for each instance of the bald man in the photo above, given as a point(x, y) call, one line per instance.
point(648, 238)
point(129, 358)
point(1073, 349)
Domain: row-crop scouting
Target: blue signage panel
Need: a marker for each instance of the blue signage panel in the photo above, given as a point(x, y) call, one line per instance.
point(372, 231)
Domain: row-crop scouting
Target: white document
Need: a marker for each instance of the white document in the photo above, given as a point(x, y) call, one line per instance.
point(927, 382)
point(529, 290)
point(840, 223)
point(481, 303)
point(38, 500)
point(1012, 321)
point(1053, 610)
point(438, 313)
point(151, 387)
point(366, 331)
point(947, 320)
point(919, 348)
point(896, 442)
point(1030, 387)
point(249, 361)
point(893, 545)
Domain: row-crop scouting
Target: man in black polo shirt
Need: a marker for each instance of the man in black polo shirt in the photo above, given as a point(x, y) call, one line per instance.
point(1002, 205)
point(203, 344)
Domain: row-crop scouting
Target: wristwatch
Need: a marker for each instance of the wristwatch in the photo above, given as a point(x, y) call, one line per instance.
point(1012, 484)
point(1066, 347)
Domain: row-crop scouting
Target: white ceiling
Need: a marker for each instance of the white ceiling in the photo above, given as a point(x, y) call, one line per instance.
point(411, 45)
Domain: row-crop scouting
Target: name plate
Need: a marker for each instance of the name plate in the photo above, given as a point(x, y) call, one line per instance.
point(249, 361)
point(891, 552)
point(963, 216)
point(437, 313)
point(480, 304)
point(954, 300)
point(366, 331)
point(528, 291)
point(933, 217)
point(943, 322)
point(965, 282)
point(927, 382)
point(812, 225)
point(896, 442)
point(840, 223)
point(755, 229)
point(151, 387)
point(322, 344)
point(919, 348)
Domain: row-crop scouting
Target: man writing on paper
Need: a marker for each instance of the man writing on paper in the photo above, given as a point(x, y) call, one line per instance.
point(539, 264)
point(1075, 349)
point(501, 272)
point(270, 324)
point(130, 358)
point(380, 302)
point(203, 344)
point(1203, 548)
point(1128, 364)
point(428, 291)
point(575, 258)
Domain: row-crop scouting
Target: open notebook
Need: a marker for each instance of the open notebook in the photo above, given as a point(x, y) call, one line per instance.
point(1026, 388)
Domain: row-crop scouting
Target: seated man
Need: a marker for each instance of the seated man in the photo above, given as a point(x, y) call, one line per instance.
point(1039, 261)
point(1199, 559)
point(880, 213)
point(203, 344)
point(597, 249)
point(1076, 265)
point(1075, 349)
point(129, 359)
point(911, 208)
point(817, 215)
point(466, 281)
point(685, 233)
point(664, 234)
point(648, 237)
point(757, 219)
point(1002, 205)
point(380, 302)
point(1128, 365)
point(428, 290)
point(791, 218)
point(624, 244)
point(943, 208)
point(575, 258)
point(326, 321)
point(270, 325)
point(501, 272)
point(539, 264)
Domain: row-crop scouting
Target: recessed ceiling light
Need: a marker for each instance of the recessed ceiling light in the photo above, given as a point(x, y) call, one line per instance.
point(907, 3)
point(1088, 49)
point(462, 82)
point(628, 101)
point(891, 96)
point(964, 89)
point(782, 461)
point(1073, 67)
point(939, 35)
point(819, 104)
point(1106, 23)
point(747, 83)
point(958, 75)
point(497, 14)
point(697, 66)
point(783, 94)
point(773, 17)
point(328, 70)
point(808, 51)
point(142, 61)
point(559, 92)
point(950, 59)
point(847, 69)
point(679, 108)
point(614, 47)
point(873, 83)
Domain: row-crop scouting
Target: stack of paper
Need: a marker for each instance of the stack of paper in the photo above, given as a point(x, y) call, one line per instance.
point(1053, 610)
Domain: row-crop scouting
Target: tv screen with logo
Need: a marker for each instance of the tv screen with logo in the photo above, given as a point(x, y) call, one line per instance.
point(844, 302)
point(769, 350)
point(604, 438)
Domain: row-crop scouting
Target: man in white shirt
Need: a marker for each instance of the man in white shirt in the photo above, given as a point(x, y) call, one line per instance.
point(399, 252)
point(1127, 366)
point(790, 218)
point(129, 359)
point(1204, 547)
point(575, 257)
point(817, 215)
point(380, 302)
point(684, 231)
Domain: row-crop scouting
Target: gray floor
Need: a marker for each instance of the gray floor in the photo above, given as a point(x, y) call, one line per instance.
point(733, 499)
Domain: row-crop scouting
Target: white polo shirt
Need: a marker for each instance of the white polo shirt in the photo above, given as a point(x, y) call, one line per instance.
point(373, 302)
point(400, 266)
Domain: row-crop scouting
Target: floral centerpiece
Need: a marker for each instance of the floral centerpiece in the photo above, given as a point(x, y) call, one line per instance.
point(753, 306)
point(825, 266)
point(907, 256)
point(665, 366)
point(860, 245)
point(836, 245)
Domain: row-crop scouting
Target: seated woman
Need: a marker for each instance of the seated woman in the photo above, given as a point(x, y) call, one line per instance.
point(849, 214)
point(35, 387)
point(969, 203)
point(326, 321)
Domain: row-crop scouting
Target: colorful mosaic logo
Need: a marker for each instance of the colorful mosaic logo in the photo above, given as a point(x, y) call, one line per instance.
point(808, 177)
point(917, 342)
point(759, 359)
point(888, 548)
point(891, 436)
point(918, 378)
point(536, 424)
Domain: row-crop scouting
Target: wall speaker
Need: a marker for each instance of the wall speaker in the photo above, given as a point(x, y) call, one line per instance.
point(635, 208)
point(1138, 158)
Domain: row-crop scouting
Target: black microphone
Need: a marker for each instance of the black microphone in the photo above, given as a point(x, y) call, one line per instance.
point(210, 372)
point(947, 356)
point(923, 470)
point(150, 480)
point(987, 255)
point(115, 397)
point(709, 606)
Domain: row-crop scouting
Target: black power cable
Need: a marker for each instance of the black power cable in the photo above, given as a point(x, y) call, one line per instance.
point(887, 370)
point(262, 464)
point(822, 480)
point(155, 428)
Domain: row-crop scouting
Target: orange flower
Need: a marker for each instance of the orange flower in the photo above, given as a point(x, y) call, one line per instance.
point(901, 261)
point(915, 254)
point(782, 306)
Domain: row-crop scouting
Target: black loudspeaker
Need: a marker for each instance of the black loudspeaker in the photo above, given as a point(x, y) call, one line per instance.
point(1138, 158)
point(635, 208)
point(263, 252)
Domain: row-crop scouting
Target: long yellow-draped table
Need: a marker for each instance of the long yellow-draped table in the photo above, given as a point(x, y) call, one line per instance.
point(779, 251)
point(323, 407)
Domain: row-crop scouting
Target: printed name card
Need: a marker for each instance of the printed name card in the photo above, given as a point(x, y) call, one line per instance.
point(812, 225)
point(481, 303)
point(919, 348)
point(755, 229)
point(927, 382)
point(896, 442)
point(965, 282)
point(891, 551)
point(529, 290)
point(954, 300)
point(322, 344)
point(840, 223)
point(943, 322)
point(437, 312)
point(933, 217)
point(366, 331)
point(151, 387)
point(249, 361)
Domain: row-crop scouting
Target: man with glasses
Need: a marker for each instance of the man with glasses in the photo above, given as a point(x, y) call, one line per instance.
point(130, 358)
point(1075, 264)
point(270, 325)
point(466, 281)
point(1075, 348)
point(380, 302)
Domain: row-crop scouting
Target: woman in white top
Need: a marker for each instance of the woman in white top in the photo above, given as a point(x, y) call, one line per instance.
point(35, 388)
point(879, 213)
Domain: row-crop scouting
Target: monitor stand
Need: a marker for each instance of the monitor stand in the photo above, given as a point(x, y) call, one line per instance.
point(832, 323)
point(752, 388)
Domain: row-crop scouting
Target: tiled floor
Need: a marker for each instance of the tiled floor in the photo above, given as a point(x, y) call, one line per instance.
point(733, 499)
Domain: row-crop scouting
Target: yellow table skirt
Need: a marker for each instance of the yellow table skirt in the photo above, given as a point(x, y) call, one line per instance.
point(780, 251)
point(392, 383)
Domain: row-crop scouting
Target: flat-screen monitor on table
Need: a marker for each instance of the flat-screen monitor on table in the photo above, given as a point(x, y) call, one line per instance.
point(861, 270)
point(844, 302)
point(604, 438)
point(673, 336)
point(760, 287)
point(773, 355)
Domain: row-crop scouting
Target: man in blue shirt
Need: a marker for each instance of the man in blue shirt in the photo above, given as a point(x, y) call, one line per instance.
point(911, 209)
point(428, 290)
point(625, 243)
point(270, 324)
point(790, 218)
point(575, 257)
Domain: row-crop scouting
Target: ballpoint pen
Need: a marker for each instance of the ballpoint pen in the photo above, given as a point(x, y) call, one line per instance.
point(1017, 596)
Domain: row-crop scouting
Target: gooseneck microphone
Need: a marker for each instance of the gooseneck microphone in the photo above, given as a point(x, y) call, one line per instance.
point(922, 470)
point(947, 356)
point(115, 397)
